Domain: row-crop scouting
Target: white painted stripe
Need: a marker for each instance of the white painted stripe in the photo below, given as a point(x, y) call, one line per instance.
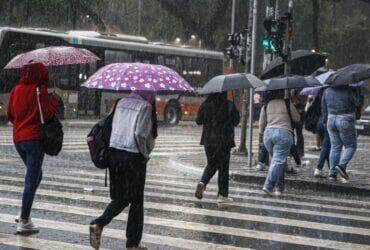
point(82, 196)
point(36, 243)
point(262, 235)
point(186, 190)
point(197, 211)
point(119, 234)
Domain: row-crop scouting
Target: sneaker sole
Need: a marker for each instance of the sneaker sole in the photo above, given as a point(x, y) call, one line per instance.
point(342, 174)
point(28, 232)
point(92, 241)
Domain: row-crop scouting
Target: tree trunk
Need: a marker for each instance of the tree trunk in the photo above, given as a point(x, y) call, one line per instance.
point(315, 24)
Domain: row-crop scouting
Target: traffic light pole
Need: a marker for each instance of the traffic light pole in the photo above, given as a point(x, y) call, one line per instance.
point(251, 91)
point(232, 28)
point(288, 41)
point(243, 135)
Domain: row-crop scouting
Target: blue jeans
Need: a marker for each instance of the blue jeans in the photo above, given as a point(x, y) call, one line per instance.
point(278, 143)
point(342, 133)
point(32, 154)
point(325, 150)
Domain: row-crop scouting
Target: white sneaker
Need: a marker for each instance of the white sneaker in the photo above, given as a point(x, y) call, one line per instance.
point(28, 228)
point(223, 199)
point(267, 191)
point(277, 193)
point(342, 180)
point(261, 166)
point(319, 173)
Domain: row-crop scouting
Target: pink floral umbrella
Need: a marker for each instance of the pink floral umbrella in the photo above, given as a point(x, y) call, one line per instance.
point(53, 56)
point(138, 77)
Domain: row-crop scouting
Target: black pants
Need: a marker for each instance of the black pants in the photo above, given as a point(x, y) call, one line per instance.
point(299, 134)
point(127, 180)
point(218, 159)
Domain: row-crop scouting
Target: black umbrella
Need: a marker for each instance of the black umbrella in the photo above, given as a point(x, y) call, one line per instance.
point(223, 83)
point(349, 75)
point(303, 62)
point(290, 82)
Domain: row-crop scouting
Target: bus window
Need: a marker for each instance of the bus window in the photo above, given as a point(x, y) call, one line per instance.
point(145, 57)
point(116, 56)
point(160, 60)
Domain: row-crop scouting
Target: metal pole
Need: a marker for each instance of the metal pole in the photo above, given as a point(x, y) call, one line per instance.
point(139, 17)
point(243, 135)
point(232, 28)
point(288, 41)
point(251, 91)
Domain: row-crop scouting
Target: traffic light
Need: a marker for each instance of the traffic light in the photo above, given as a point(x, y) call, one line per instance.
point(236, 49)
point(274, 35)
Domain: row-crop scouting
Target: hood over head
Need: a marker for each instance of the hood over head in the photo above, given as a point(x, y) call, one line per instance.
point(34, 73)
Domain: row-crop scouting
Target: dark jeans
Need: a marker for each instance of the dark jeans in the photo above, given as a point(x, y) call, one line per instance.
point(127, 180)
point(325, 150)
point(218, 159)
point(32, 154)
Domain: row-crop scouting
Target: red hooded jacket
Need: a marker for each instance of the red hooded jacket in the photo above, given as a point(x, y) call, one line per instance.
point(23, 109)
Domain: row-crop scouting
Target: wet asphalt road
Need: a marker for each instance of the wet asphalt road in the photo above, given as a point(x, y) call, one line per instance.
point(72, 193)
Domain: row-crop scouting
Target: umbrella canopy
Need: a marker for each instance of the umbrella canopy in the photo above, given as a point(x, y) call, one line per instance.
point(322, 79)
point(349, 75)
point(303, 62)
point(53, 56)
point(137, 77)
point(289, 82)
point(223, 83)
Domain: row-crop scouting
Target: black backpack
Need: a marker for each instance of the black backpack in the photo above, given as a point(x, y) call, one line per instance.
point(357, 99)
point(98, 140)
point(313, 115)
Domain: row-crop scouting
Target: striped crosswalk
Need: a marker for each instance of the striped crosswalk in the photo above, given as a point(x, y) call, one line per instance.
point(70, 197)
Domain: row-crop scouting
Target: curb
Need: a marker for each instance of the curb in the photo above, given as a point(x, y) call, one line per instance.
point(305, 184)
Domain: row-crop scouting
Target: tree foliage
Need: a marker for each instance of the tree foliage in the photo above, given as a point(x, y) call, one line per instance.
point(339, 27)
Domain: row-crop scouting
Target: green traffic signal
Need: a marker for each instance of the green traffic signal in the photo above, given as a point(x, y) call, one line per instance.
point(268, 45)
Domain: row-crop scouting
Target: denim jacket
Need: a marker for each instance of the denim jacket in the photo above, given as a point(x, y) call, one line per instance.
point(336, 101)
point(131, 126)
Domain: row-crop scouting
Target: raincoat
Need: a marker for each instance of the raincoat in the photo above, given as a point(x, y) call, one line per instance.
point(23, 109)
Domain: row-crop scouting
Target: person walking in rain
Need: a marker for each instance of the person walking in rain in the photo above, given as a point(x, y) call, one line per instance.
point(339, 109)
point(23, 112)
point(276, 120)
point(134, 130)
point(218, 116)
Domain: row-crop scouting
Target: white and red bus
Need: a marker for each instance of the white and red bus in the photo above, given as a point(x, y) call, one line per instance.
point(197, 66)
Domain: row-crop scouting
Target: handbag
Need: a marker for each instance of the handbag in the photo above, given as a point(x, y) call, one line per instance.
point(52, 131)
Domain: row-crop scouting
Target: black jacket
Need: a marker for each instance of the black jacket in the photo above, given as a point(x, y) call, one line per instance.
point(218, 120)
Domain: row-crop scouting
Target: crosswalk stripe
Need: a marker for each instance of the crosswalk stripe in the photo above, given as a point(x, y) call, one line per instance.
point(80, 196)
point(36, 243)
point(177, 189)
point(214, 187)
point(118, 234)
point(292, 239)
point(204, 212)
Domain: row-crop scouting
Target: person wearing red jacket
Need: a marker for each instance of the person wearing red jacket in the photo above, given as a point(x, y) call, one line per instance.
point(23, 112)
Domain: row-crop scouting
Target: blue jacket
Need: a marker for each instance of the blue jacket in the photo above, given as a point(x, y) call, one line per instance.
point(336, 101)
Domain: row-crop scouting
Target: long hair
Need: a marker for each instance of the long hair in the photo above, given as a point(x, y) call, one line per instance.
point(274, 94)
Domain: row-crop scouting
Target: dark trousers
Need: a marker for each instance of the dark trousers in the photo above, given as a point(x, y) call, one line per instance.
point(263, 154)
point(295, 153)
point(299, 135)
point(127, 180)
point(32, 154)
point(218, 159)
